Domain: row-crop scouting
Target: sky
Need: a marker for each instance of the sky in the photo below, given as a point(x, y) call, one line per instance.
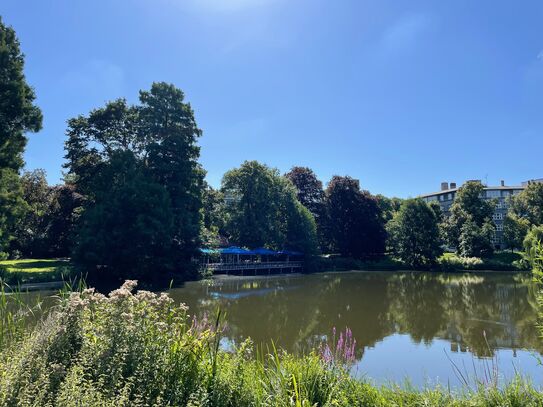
point(401, 95)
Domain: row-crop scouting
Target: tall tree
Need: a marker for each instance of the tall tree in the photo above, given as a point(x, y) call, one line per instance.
point(31, 230)
point(356, 224)
point(18, 115)
point(469, 227)
point(414, 233)
point(262, 210)
point(310, 193)
point(169, 123)
point(529, 204)
point(515, 229)
point(309, 190)
point(153, 143)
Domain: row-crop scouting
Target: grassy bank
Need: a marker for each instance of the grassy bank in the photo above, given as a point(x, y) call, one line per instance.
point(448, 262)
point(25, 271)
point(140, 349)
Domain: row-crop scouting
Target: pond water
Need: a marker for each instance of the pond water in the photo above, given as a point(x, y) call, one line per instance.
point(427, 327)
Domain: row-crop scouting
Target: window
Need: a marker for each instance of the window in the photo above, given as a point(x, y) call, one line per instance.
point(497, 216)
point(499, 227)
point(493, 193)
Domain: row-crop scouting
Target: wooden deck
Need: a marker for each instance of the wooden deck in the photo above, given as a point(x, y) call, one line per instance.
point(262, 267)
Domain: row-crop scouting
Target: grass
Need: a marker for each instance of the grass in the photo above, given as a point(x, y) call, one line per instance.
point(26, 271)
point(142, 349)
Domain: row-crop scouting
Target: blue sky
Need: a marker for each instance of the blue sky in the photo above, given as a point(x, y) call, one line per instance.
point(399, 94)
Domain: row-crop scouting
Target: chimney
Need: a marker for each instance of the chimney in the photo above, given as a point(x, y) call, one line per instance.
point(453, 185)
point(444, 186)
point(502, 183)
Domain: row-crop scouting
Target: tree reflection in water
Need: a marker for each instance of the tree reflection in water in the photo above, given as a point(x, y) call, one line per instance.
point(297, 312)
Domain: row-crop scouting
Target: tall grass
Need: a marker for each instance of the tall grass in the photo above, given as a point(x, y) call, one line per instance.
point(140, 349)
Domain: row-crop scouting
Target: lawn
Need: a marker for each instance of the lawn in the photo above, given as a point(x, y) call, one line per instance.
point(34, 270)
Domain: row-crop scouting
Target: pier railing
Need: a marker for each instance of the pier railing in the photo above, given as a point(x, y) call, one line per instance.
point(242, 266)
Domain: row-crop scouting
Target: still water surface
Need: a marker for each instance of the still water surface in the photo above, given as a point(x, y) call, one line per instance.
point(407, 325)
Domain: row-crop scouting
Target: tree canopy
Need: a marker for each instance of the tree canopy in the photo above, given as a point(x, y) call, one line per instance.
point(356, 224)
point(18, 115)
point(414, 233)
point(117, 152)
point(469, 227)
point(262, 210)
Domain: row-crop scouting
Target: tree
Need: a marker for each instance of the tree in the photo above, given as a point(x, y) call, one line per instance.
point(66, 208)
point(532, 244)
point(529, 204)
point(356, 225)
point(515, 229)
point(31, 229)
point(155, 142)
point(18, 115)
point(469, 227)
point(414, 233)
point(310, 193)
point(475, 240)
point(173, 155)
point(128, 231)
point(309, 189)
point(213, 216)
point(262, 210)
point(388, 206)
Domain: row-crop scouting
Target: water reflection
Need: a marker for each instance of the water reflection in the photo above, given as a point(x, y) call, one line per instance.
point(296, 312)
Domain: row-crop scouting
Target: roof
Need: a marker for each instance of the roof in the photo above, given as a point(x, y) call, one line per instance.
point(499, 188)
point(262, 251)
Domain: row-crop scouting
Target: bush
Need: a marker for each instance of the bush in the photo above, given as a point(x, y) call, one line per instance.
point(453, 262)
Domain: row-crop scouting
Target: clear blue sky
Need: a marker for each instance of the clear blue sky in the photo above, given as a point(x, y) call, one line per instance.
point(399, 94)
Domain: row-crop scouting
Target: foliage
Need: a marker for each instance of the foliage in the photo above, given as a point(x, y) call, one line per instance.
point(18, 115)
point(309, 189)
point(129, 230)
point(476, 240)
point(529, 203)
point(355, 221)
point(30, 232)
point(263, 210)
point(414, 234)
point(142, 157)
point(452, 262)
point(310, 193)
point(213, 216)
point(531, 244)
point(469, 227)
point(388, 206)
point(498, 261)
point(47, 224)
point(141, 349)
point(515, 229)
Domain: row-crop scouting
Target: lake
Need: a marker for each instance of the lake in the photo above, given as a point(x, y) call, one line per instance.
point(428, 327)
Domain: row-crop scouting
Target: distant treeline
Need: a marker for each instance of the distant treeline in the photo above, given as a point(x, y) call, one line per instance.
point(134, 202)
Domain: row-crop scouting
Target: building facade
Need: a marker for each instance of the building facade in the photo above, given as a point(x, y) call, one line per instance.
point(501, 194)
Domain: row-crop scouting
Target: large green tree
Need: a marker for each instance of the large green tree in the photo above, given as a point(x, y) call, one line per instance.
point(155, 144)
point(529, 204)
point(515, 229)
point(469, 227)
point(18, 115)
point(356, 224)
point(127, 232)
point(414, 233)
point(310, 193)
point(262, 210)
point(31, 229)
